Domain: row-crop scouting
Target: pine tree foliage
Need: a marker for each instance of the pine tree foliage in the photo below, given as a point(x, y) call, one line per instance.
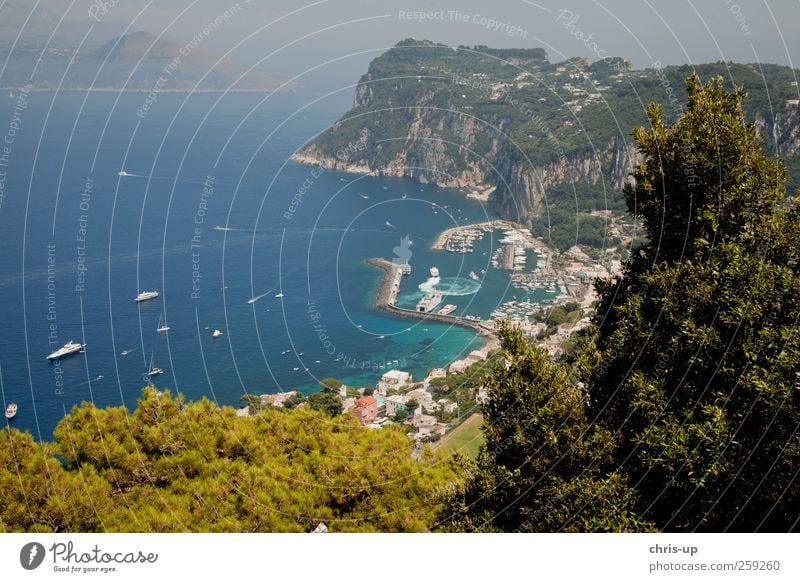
point(173, 466)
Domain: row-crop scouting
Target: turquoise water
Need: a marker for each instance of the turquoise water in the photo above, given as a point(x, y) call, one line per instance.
point(200, 162)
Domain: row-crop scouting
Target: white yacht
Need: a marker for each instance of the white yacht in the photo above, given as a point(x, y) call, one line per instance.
point(429, 302)
point(216, 333)
point(123, 173)
point(11, 410)
point(473, 276)
point(153, 371)
point(145, 295)
point(162, 324)
point(279, 296)
point(434, 272)
point(447, 309)
point(69, 348)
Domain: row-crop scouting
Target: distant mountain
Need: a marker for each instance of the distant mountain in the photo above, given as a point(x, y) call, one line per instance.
point(108, 58)
point(142, 61)
point(30, 27)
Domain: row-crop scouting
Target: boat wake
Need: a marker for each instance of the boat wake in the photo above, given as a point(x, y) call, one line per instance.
point(451, 286)
point(257, 297)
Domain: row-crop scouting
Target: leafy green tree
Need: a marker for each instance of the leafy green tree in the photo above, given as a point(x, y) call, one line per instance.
point(253, 403)
point(695, 362)
point(543, 467)
point(369, 390)
point(293, 401)
point(326, 402)
point(330, 384)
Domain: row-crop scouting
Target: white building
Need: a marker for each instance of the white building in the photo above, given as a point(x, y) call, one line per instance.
point(394, 403)
point(393, 379)
point(447, 406)
point(423, 398)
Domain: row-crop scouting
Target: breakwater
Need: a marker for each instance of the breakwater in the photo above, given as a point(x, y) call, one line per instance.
point(389, 288)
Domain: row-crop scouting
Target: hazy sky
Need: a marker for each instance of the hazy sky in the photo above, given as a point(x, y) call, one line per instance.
point(305, 34)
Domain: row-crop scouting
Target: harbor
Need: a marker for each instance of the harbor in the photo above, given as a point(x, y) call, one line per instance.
point(386, 299)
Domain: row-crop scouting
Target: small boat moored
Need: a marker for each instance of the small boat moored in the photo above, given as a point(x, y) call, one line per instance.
point(162, 324)
point(154, 371)
point(11, 410)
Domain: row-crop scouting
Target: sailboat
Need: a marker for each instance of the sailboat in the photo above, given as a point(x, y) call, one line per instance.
point(153, 371)
point(162, 324)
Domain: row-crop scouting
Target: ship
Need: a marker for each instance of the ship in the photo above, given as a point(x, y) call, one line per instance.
point(146, 295)
point(123, 173)
point(429, 302)
point(222, 228)
point(11, 410)
point(447, 309)
point(69, 348)
point(473, 276)
point(279, 296)
point(216, 333)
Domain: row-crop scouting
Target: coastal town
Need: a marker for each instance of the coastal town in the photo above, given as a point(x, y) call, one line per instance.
point(446, 397)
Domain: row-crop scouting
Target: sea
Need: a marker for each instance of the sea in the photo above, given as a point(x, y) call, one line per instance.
point(210, 212)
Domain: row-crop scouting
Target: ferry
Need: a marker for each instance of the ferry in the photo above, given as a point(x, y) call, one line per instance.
point(216, 333)
point(434, 272)
point(146, 295)
point(429, 302)
point(11, 410)
point(69, 348)
point(447, 309)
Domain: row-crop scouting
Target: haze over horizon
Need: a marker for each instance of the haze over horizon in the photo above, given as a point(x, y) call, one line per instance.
point(326, 44)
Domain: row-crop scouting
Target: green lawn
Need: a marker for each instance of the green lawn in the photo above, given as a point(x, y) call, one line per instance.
point(465, 439)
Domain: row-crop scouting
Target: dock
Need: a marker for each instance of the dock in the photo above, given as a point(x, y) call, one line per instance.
point(390, 288)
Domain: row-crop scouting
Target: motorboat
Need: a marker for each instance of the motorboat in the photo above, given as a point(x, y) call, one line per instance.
point(11, 410)
point(216, 333)
point(434, 272)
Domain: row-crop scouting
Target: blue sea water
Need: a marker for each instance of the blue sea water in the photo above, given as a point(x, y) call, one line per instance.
point(78, 242)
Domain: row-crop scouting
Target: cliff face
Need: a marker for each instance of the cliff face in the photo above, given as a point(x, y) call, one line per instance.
point(529, 132)
point(478, 155)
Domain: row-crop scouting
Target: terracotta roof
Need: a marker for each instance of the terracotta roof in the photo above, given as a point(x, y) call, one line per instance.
point(365, 401)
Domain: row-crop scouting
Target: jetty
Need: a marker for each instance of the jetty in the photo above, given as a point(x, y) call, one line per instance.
point(386, 299)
